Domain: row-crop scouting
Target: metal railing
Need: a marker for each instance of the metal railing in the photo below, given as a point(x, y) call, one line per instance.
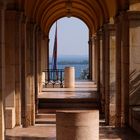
point(54, 77)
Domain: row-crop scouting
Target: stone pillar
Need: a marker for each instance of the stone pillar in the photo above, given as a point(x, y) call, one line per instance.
point(106, 72)
point(112, 74)
point(44, 53)
point(12, 68)
point(125, 68)
point(122, 70)
point(100, 86)
point(37, 66)
point(2, 70)
point(94, 59)
point(30, 98)
point(110, 90)
point(38, 55)
point(102, 70)
point(24, 120)
point(32, 53)
point(118, 72)
point(77, 125)
point(44, 58)
point(90, 58)
point(97, 45)
point(69, 77)
point(18, 70)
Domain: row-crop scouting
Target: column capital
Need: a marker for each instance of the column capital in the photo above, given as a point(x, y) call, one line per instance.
point(24, 19)
point(122, 16)
point(31, 26)
point(133, 15)
point(2, 6)
point(45, 36)
point(13, 15)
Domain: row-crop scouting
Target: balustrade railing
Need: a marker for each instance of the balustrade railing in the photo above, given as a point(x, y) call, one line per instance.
point(53, 77)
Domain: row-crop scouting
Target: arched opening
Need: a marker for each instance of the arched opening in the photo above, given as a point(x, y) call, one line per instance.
point(72, 46)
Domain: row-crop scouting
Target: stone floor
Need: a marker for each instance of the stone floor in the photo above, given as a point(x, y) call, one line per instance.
point(84, 89)
point(47, 130)
point(49, 133)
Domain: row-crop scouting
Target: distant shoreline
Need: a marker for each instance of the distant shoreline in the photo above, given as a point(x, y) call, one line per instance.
point(71, 62)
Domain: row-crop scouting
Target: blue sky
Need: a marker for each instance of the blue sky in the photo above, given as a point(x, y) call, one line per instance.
point(73, 36)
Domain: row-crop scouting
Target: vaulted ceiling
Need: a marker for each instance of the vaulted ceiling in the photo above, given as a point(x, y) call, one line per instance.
point(93, 12)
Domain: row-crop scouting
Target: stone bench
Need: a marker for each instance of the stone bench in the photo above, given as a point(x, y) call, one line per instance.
point(10, 117)
point(135, 119)
point(77, 125)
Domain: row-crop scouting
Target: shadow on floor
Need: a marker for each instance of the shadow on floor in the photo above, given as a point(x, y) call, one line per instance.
point(27, 138)
point(110, 133)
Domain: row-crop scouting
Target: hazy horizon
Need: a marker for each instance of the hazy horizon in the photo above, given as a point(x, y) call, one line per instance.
point(71, 58)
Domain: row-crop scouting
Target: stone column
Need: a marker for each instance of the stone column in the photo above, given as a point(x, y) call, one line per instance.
point(122, 70)
point(44, 52)
point(90, 58)
point(106, 72)
point(110, 91)
point(101, 57)
point(118, 72)
point(12, 68)
point(44, 58)
point(112, 74)
point(94, 59)
point(30, 98)
point(18, 70)
point(97, 45)
point(32, 53)
point(38, 53)
point(102, 69)
point(37, 66)
point(2, 70)
point(23, 73)
point(125, 68)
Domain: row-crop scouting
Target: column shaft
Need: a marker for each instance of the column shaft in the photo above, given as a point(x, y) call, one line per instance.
point(118, 73)
point(98, 61)
point(18, 70)
point(106, 73)
point(2, 71)
point(125, 69)
point(23, 73)
point(30, 96)
point(12, 69)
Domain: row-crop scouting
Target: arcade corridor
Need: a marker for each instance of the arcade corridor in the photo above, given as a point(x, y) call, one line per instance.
point(114, 69)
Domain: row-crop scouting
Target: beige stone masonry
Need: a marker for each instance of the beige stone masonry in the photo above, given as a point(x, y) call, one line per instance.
point(77, 125)
point(69, 77)
point(2, 70)
point(10, 117)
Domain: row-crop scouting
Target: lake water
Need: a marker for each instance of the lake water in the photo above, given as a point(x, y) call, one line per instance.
point(78, 68)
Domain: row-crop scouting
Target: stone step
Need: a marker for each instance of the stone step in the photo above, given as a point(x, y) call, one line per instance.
point(45, 119)
point(67, 103)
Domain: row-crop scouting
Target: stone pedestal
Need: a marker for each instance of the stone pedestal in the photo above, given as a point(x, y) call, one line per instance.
point(69, 77)
point(77, 125)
